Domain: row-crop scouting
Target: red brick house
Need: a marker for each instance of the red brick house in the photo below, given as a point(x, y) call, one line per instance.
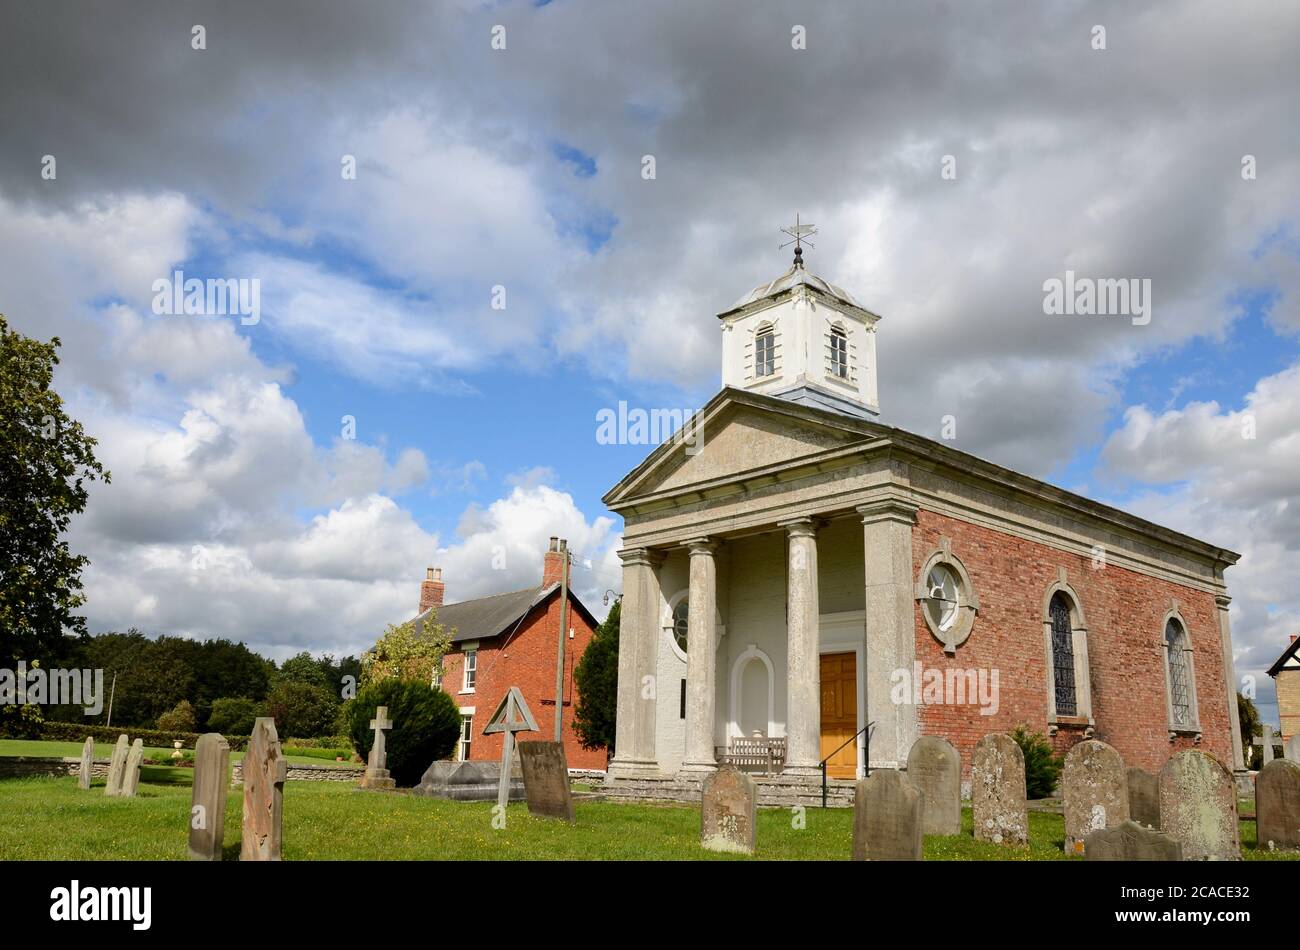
point(509, 640)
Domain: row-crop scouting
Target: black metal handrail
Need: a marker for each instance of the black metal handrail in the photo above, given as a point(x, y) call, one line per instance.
point(866, 755)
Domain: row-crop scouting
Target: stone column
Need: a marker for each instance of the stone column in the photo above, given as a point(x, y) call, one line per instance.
point(1230, 676)
point(803, 718)
point(890, 625)
point(701, 656)
point(634, 731)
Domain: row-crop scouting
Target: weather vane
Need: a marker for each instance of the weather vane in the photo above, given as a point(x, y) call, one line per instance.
point(799, 232)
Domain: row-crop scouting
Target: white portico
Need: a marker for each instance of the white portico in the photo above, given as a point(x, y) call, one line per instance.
point(758, 557)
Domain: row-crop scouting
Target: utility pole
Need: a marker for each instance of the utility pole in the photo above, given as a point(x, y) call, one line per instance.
point(564, 632)
point(111, 694)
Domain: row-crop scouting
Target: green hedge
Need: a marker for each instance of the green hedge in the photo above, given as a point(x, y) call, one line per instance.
point(315, 753)
point(77, 732)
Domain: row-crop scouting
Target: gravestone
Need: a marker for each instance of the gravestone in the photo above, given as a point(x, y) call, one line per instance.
point(1143, 797)
point(886, 818)
point(117, 766)
point(1095, 790)
point(264, 774)
point(728, 811)
point(1129, 841)
point(1266, 736)
point(1277, 806)
point(376, 774)
point(208, 799)
point(87, 763)
point(1293, 748)
point(131, 774)
point(546, 780)
point(467, 782)
point(1198, 806)
point(998, 791)
point(934, 770)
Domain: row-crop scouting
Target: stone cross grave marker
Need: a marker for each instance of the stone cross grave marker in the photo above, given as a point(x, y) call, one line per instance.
point(264, 773)
point(131, 774)
point(87, 763)
point(727, 811)
point(1198, 806)
point(512, 715)
point(546, 780)
point(1277, 805)
point(1095, 791)
point(886, 818)
point(117, 767)
point(1267, 738)
point(1129, 841)
point(208, 799)
point(998, 791)
point(376, 774)
point(1143, 797)
point(934, 770)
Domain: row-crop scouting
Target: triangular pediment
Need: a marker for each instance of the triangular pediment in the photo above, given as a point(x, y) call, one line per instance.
point(737, 434)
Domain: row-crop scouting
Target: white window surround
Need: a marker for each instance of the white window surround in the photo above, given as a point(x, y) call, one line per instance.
point(765, 333)
point(752, 654)
point(1193, 726)
point(1079, 643)
point(464, 742)
point(953, 634)
point(838, 354)
point(669, 623)
point(469, 666)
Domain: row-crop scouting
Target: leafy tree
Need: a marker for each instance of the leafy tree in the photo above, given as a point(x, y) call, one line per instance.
point(426, 725)
point(233, 716)
point(179, 719)
point(304, 668)
point(46, 461)
point(301, 710)
point(597, 680)
point(411, 650)
point(1042, 765)
point(1250, 727)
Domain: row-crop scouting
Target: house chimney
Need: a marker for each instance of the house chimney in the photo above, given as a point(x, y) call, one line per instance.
point(552, 564)
point(431, 589)
point(1293, 636)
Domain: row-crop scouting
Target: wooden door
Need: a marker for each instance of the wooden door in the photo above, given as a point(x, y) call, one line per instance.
point(839, 675)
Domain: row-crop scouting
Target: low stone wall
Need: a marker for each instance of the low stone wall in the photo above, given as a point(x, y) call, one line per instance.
point(774, 791)
point(27, 766)
point(306, 773)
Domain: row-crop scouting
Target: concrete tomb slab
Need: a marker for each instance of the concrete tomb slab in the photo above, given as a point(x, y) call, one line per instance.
point(475, 781)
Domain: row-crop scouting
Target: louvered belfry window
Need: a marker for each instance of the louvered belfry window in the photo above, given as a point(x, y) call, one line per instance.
point(839, 354)
point(1063, 657)
point(765, 352)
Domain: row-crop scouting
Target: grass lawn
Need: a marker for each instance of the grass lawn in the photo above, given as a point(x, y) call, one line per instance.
point(50, 818)
point(42, 747)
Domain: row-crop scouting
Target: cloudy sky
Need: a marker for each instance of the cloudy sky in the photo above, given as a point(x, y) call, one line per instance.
point(241, 504)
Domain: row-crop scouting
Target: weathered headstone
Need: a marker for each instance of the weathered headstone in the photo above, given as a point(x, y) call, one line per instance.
point(1293, 748)
point(1277, 806)
point(1266, 736)
point(117, 766)
point(376, 774)
point(546, 779)
point(886, 818)
point(208, 799)
point(264, 774)
point(998, 791)
point(512, 715)
point(728, 811)
point(1129, 841)
point(131, 774)
point(87, 763)
point(1198, 806)
point(1095, 790)
point(934, 770)
point(1143, 797)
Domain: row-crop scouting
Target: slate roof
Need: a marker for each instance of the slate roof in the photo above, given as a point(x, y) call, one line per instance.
point(496, 614)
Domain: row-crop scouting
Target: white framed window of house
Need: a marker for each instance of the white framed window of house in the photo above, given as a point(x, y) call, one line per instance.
point(947, 597)
point(839, 353)
point(1180, 678)
point(765, 351)
point(466, 735)
point(471, 671)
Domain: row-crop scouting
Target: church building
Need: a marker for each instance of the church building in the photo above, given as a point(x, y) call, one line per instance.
point(798, 576)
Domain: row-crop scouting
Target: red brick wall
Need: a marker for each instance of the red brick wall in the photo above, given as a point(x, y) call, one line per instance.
point(1123, 611)
point(527, 660)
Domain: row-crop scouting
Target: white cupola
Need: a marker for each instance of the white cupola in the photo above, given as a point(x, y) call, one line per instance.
point(803, 339)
